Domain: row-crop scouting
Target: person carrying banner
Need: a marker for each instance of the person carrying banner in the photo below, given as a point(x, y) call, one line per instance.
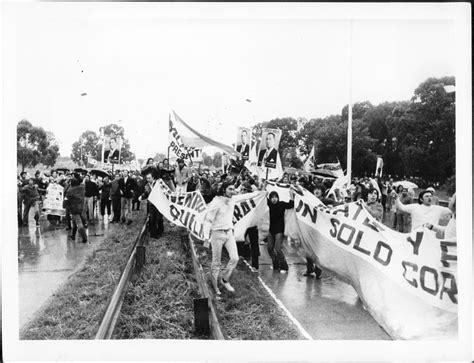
point(218, 222)
point(182, 176)
point(277, 227)
point(450, 230)
point(372, 204)
point(424, 211)
point(155, 217)
point(168, 174)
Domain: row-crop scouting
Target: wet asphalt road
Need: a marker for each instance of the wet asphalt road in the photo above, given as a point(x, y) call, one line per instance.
point(328, 309)
point(46, 258)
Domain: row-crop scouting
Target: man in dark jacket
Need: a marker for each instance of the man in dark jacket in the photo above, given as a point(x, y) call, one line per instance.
point(105, 198)
point(276, 230)
point(155, 220)
point(91, 194)
point(127, 186)
point(116, 197)
point(30, 199)
point(75, 201)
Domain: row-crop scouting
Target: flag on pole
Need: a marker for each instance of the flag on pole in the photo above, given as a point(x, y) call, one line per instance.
point(309, 164)
point(329, 170)
point(198, 140)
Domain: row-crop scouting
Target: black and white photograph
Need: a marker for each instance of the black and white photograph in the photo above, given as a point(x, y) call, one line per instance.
point(236, 181)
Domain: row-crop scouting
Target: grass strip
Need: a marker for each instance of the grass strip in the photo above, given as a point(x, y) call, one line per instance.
point(250, 313)
point(76, 308)
point(159, 304)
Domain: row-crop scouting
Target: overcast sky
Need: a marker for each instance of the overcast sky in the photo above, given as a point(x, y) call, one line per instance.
point(135, 70)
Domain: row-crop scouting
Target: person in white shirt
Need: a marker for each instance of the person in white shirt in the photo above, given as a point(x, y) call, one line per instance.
point(450, 230)
point(424, 212)
point(218, 222)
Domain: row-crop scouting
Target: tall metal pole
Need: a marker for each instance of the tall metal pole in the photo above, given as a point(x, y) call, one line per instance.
point(349, 121)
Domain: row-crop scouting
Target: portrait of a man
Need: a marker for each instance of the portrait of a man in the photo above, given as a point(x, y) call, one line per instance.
point(112, 154)
point(243, 145)
point(268, 155)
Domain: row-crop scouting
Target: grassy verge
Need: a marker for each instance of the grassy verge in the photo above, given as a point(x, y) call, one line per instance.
point(250, 313)
point(159, 304)
point(76, 308)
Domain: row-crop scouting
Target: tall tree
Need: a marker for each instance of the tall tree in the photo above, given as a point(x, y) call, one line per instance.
point(35, 146)
point(87, 146)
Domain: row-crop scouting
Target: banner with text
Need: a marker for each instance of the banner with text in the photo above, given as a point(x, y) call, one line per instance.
point(406, 280)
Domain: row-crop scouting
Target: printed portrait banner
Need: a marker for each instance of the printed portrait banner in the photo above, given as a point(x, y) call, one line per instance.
point(268, 152)
point(111, 148)
point(53, 203)
point(242, 144)
point(407, 281)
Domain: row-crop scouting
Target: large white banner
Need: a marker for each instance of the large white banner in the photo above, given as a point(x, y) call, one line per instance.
point(189, 209)
point(407, 281)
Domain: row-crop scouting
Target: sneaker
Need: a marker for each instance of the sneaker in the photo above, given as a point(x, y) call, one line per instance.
point(227, 285)
point(319, 275)
point(283, 271)
point(308, 273)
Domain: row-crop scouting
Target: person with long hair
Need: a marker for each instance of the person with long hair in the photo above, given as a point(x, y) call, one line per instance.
point(276, 230)
point(218, 223)
point(372, 204)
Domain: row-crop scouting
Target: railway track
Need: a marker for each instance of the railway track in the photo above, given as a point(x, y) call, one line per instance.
point(205, 311)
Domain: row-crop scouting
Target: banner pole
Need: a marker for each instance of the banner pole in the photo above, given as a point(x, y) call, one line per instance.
point(266, 177)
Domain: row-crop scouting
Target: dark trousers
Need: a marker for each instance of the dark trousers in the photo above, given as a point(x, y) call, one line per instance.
point(312, 267)
point(26, 213)
point(78, 225)
point(274, 245)
point(105, 203)
point(252, 233)
point(68, 218)
point(116, 205)
point(135, 204)
point(155, 221)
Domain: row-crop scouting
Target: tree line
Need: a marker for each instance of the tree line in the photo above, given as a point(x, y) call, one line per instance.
point(414, 137)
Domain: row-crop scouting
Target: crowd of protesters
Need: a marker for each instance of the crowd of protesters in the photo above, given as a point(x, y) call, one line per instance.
point(89, 198)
